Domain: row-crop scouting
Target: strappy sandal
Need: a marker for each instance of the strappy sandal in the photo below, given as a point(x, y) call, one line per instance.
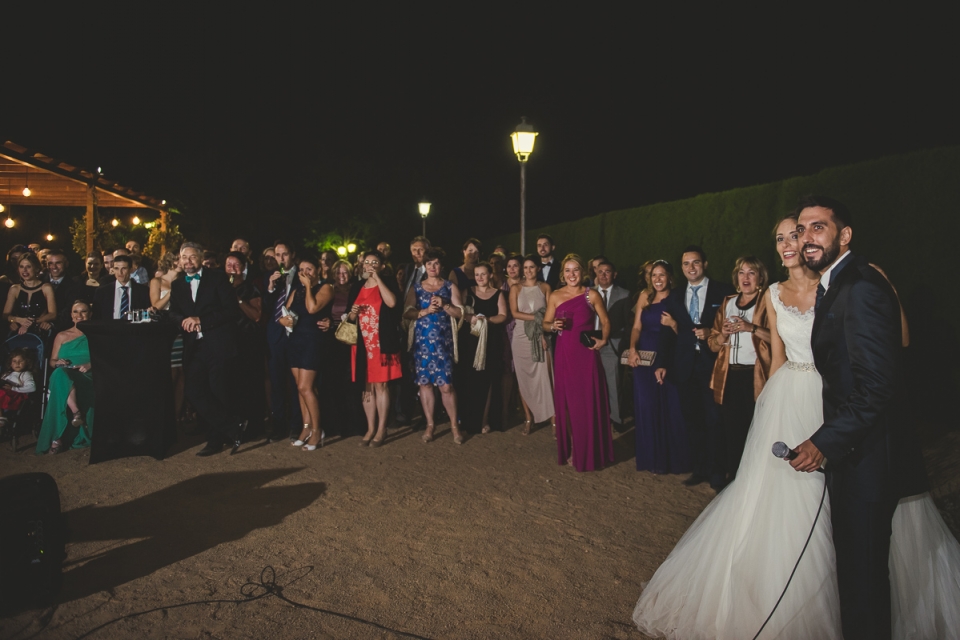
point(526, 427)
point(457, 436)
point(55, 447)
point(428, 434)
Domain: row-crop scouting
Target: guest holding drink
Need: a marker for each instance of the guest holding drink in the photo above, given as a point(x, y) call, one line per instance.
point(584, 438)
point(309, 303)
point(481, 348)
point(531, 355)
point(68, 422)
point(375, 306)
point(435, 305)
point(660, 434)
point(742, 344)
point(463, 275)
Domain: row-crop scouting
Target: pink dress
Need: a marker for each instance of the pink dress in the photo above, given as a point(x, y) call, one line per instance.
point(580, 393)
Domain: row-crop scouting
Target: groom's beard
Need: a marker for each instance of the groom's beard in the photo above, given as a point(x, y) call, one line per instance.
point(827, 255)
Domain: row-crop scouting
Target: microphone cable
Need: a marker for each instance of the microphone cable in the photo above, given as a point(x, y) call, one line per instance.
point(802, 551)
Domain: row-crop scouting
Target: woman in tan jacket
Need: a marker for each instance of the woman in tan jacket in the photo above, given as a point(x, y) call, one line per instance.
point(742, 342)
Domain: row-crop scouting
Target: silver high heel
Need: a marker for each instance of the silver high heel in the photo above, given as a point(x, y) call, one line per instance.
point(313, 447)
point(298, 442)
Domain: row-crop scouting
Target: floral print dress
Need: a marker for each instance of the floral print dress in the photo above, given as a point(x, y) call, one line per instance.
point(433, 340)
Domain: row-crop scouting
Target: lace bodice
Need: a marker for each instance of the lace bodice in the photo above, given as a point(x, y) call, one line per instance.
point(794, 328)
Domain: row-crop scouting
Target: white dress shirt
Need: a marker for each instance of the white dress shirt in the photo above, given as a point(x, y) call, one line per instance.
point(545, 269)
point(825, 278)
point(116, 298)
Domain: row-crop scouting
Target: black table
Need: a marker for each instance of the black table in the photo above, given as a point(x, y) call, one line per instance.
point(133, 389)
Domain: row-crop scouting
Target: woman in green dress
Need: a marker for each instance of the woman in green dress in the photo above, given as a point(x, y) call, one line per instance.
point(68, 422)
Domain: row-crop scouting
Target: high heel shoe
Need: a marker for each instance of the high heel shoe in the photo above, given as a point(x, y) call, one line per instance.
point(457, 436)
point(302, 440)
point(313, 447)
point(428, 434)
point(526, 427)
point(77, 420)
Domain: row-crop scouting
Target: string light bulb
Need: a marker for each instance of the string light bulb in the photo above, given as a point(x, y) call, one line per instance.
point(136, 220)
point(341, 251)
point(2, 208)
point(26, 189)
point(115, 222)
point(49, 237)
point(27, 192)
point(351, 248)
point(9, 223)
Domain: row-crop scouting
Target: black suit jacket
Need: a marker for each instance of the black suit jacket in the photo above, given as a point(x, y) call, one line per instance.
point(216, 306)
point(868, 440)
point(104, 298)
point(553, 278)
point(677, 352)
point(276, 331)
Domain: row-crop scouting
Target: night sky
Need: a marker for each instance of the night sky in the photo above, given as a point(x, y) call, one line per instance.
point(270, 124)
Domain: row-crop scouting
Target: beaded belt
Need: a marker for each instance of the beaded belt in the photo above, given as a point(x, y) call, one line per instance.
point(801, 366)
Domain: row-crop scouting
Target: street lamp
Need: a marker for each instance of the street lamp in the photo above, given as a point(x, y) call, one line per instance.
point(523, 139)
point(424, 208)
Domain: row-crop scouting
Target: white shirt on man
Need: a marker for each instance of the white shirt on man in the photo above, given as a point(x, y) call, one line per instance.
point(118, 293)
point(825, 278)
point(545, 269)
point(605, 296)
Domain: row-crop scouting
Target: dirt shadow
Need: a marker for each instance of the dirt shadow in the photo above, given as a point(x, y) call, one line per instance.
point(178, 522)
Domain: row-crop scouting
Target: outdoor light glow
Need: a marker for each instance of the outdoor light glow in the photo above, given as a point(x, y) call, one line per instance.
point(523, 138)
point(49, 237)
point(136, 220)
point(163, 202)
point(424, 208)
point(115, 222)
point(341, 251)
point(2, 208)
point(351, 248)
point(9, 223)
point(99, 170)
point(149, 225)
point(27, 192)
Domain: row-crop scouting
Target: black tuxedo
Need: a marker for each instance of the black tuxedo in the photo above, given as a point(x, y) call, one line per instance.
point(105, 296)
point(872, 455)
point(553, 278)
point(210, 361)
point(65, 294)
point(690, 368)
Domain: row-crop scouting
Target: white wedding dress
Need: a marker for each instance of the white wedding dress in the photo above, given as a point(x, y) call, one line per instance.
point(724, 576)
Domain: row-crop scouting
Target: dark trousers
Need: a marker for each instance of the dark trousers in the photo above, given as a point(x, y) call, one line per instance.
point(406, 395)
point(737, 414)
point(284, 397)
point(702, 417)
point(252, 395)
point(207, 379)
point(861, 535)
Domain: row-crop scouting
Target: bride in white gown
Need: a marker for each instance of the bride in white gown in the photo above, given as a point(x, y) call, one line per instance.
point(727, 571)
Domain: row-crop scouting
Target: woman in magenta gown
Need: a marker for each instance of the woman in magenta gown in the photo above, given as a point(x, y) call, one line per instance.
point(580, 396)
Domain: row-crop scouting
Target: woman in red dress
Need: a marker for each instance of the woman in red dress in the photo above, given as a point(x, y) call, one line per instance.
point(374, 304)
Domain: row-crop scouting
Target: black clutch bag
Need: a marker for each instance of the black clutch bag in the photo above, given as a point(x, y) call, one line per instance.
point(587, 337)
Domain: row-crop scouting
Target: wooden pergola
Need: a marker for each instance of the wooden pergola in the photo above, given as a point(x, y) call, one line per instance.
point(57, 184)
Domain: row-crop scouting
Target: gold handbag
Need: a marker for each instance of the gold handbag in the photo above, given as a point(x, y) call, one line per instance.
point(346, 333)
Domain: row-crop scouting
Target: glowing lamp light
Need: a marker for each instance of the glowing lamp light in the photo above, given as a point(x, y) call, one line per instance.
point(523, 138)
point(2, 208)
point(49, 237)
point(136, 220)
point(149, 225)
point(424, 208)
point(27, 192)
point(9, 223)
point(351, 248)
point(341, 251)
point(163, 202)
point(115, 222)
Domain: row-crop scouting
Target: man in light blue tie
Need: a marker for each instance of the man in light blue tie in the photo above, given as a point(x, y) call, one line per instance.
point(683, 355)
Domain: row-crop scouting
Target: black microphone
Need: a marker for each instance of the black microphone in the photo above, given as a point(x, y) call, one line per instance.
point(782, 451)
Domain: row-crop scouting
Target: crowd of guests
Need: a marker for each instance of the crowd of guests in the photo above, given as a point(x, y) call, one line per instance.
point(320, 346)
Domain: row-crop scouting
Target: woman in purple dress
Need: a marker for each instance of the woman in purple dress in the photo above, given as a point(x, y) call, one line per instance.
point(660, 434)
point(580, 388)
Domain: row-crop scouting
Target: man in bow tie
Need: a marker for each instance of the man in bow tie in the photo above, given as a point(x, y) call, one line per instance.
point(549, 269)
point(113, 300)
point(205, 304)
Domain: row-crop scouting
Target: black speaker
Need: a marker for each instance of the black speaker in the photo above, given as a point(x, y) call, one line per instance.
point(32, 540)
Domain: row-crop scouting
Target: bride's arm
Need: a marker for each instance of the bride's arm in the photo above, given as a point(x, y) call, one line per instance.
point(778, 352)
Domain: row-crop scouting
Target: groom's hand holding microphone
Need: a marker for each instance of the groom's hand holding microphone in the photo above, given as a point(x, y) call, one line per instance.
point(808, 458)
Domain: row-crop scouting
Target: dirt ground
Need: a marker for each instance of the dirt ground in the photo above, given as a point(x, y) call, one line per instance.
point(491, 539)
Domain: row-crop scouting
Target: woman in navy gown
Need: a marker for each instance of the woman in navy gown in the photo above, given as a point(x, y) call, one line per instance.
point(660, 434)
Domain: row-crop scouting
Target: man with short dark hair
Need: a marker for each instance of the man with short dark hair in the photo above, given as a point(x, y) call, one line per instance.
point(686, 358)
point(868, 443)
point(108, 262)
point(250, 269)
point(66, 291)
point(114, 299)
point(146, 263)
point(549, 267)
point(616, 301)
point(284, 398)
point(206, 306)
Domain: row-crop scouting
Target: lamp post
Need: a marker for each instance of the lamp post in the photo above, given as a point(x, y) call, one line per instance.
point(424, 208)
point(523, 139)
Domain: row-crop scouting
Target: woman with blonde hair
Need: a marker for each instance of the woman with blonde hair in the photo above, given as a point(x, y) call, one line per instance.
point(584, 439)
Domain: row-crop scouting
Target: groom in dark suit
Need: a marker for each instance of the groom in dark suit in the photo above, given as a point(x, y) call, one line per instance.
point(687, 359)
point(205, 304)
point(872, 458)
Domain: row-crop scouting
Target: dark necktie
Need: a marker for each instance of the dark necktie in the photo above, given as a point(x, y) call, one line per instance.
point(124, 302)
point(281, 300)
point(820, 293)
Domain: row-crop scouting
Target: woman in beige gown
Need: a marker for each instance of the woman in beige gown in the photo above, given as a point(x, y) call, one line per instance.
point(532, 365)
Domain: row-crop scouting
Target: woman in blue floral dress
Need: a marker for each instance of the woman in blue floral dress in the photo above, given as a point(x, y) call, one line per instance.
point(433, 304)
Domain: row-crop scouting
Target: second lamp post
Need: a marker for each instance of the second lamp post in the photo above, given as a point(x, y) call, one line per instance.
point(523, 139)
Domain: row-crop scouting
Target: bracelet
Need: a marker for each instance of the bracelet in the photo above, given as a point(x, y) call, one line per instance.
point(754, 330)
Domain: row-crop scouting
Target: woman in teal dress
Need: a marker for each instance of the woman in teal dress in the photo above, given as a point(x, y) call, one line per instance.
point(68, 422)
